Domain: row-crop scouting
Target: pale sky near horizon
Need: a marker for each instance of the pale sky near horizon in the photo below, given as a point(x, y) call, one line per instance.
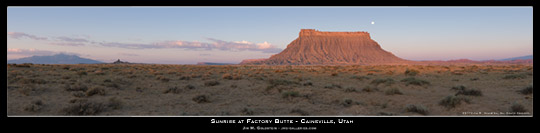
point(187, 35)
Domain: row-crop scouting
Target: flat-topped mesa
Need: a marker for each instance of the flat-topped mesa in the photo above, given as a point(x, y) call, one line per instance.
point(313, 32)
point(314, 47)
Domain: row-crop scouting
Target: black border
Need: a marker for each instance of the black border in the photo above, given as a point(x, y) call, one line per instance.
point(270, 3)
point(182, 124)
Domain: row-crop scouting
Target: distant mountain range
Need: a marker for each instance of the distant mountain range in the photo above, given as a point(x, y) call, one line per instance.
point(55, 59)
point(518, 58)
point(74, 59)
point(213, 63)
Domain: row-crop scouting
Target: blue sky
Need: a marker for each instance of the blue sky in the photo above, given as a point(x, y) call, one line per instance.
point(187, 35)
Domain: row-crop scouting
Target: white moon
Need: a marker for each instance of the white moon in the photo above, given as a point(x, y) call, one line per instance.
point(372, 22)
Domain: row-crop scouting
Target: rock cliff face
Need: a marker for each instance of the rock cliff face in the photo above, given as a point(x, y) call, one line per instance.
point(314, 47)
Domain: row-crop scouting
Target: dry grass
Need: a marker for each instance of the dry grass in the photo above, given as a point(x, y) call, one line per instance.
point(386, 81)
point(453, 101)
point(34, 106)
point(516, 107)
point(417, 109)
point(148, 89)
point(201, 99)
point(211, 83)
point(515, 76)
point(411, 72)
point(95, 90)
point(393, 91)
point(527, 90)
point(414, 81)
point(83, 108)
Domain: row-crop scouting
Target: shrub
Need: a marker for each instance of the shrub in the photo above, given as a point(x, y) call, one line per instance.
point(76, 87)
point(28, 90)
point(236, 77)
point(114, 103)
point(34, 106)
point(387, 81)
point(330, 86)
point(350, 89)
point(276, 82)
point(78, 94)
point(95, 90)
point(300, 111)
point(66, 77)
point(33, 81)
point(308, 83)
point(290, 94)
point(185, 78)
point(527, 90)
point(99, 73)
point(111, 84)
point(83, 107)
point(27, 65)
point(163, 79)
point(211, 83)
point(201, 99)
point(174, 90)
point(385, 114)
point(81, 73)
point(453, 101)
point(347, 102)
point(361, 78)
point(411, 72)
point(234, 86)
point(190, 87)
point(393, 91)
point(370, 89)
point(469, 92)
point(414, 81)
point(515, 76)
point(232, 77)
point(195, 76)
point(458, 88)
point(457, 73)
point(417, 109)
point(227, 76)
point(516, 107)
point(247, 111)
point(334, 74)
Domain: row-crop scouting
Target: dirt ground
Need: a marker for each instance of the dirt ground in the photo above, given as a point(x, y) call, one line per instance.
point(238, 90)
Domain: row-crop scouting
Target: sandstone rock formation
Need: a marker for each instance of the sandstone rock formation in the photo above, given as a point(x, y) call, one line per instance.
point(314, 47)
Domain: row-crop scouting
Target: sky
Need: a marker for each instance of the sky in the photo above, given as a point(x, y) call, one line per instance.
point(187, 35)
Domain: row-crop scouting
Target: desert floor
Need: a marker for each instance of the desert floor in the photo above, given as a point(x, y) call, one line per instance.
point(233, 90)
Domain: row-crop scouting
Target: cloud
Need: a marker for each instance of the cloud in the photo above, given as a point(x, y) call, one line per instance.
point(67, 44)
point(243, 45)
point(17, 51)
point(128, 45)
point(128, 54)
point(264, 47)
point(70, 39)
point(18, 35)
